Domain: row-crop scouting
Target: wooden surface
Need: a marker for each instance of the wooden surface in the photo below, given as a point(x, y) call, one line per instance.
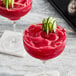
point(14, 66)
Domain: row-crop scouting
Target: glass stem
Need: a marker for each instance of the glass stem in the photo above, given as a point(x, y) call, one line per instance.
point(44, 66)
point(44, 69)
point(44, 62)
point(14, 29)
point(14, 26)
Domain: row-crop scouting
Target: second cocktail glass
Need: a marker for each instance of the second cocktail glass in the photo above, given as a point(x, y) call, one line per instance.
point(20, 8)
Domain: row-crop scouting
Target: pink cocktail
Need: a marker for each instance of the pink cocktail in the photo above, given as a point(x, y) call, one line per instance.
point(14, 10)
point(20, 8)
point(42, 46)
point(45, 41)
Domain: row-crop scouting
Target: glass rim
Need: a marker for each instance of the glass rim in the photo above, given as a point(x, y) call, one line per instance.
point(17, 8)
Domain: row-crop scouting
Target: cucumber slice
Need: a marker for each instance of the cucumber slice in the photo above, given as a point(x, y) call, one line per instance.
point(54, 26)
point(48, 19)
point(50, 26)
point(7, 4)
point(43, 24)
point(52, 20)
point(12, 2)
point(47, 25)
point(47, 29)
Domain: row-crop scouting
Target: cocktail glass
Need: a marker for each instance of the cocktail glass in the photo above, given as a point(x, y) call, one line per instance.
point(20, 8)
point(42, 46)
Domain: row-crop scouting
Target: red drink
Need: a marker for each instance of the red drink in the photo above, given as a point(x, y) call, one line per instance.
point(42, 46)
point(20, 8)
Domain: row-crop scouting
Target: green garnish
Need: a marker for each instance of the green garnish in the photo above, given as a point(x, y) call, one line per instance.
point(54, 26)
point(49, 25)
point(8, 3)
point(12, 2)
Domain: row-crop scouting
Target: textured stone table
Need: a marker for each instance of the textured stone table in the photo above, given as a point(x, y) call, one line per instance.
point(14, 66)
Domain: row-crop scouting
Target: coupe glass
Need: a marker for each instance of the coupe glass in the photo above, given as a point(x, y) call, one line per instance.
point(20, 8)
point(43, 50)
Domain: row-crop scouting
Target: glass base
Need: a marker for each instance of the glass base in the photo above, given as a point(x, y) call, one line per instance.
point(12, 41)
point(50, 73)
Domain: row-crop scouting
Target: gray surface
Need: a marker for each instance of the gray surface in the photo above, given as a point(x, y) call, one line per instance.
point(13, 66)
point(40, 9)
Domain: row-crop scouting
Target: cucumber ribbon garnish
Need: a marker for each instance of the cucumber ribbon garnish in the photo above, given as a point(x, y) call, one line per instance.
point(8, 3)
point(49, 25)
